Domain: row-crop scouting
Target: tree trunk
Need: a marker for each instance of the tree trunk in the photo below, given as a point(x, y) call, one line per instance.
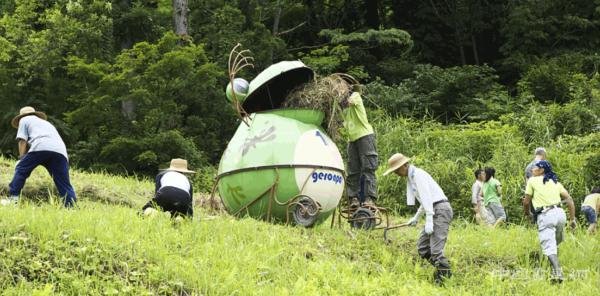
point(128, 109)
point(463, 60)
point(127, 41)
point(276, 19)
point(128, 106)
point(372, 14)
point(180, 17)
point(474, 47)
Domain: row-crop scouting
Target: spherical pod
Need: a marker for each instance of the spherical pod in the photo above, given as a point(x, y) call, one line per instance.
point(281, 166)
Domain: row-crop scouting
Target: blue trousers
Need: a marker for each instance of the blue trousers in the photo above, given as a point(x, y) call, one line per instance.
point(55, 163)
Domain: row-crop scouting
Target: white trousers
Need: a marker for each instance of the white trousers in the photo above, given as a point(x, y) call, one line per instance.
point(551, 225)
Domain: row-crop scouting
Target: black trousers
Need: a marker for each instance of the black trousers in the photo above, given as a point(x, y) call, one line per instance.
point(173, 200)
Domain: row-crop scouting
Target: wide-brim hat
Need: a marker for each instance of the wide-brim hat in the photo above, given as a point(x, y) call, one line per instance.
point(27, 110)
point(397, 160)
point(179, 165)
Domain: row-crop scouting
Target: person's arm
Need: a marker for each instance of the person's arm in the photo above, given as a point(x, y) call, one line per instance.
point(479, 198)
point(475, 195)
point(571, 205)
point(526, 204)
point(413, 221)
point(157, 182)
point(425, 195)
point(499, 190)
point(527, 198)
point(22, 148)
point(423, 187)
point(474, 192)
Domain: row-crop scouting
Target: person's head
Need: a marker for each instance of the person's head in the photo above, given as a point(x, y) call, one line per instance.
point(540, 153)
point(489, 173)
point(25, 111)
point(596, 190)
point(403, 170)
point(398, 163)
point(537, 171)
point(179, 165)
point(479, 175)
point(345, 84)
point(543, 168)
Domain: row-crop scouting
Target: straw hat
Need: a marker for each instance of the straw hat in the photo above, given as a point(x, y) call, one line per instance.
point(397, 160)
point(179, 165)
point(27, 110)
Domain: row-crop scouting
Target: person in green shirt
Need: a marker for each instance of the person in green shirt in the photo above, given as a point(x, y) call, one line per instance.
point(590, 208)
point(362, 152)
point(491, 191)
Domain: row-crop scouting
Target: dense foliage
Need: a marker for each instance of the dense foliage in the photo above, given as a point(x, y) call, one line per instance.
point(458, 84)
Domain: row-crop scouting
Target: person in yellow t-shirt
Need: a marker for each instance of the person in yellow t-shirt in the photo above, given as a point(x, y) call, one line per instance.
point(362, 152)
point(590, 208)
point(545, 192)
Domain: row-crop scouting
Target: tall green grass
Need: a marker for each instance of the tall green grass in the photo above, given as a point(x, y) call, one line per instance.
point(452, 153)
point(104, 248)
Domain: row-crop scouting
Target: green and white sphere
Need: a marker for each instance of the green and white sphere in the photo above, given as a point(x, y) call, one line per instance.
point(240, 87)
point(287, 151)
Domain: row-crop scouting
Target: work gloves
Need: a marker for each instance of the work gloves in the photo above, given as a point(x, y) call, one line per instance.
point(428, 220)
point(413, 221)
point(429, 224)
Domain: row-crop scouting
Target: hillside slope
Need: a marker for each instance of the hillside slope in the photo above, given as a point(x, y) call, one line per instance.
point(104, 248)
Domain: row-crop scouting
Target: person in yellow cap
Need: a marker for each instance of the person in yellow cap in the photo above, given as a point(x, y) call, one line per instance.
point(590, 208)
point(173, 191)
point(40, 144)
point(362, 152)
point(438, 213)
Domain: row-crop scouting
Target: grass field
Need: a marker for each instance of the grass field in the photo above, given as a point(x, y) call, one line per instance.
point(103, 247)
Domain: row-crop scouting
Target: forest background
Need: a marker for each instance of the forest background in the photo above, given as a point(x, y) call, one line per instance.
point(457, 85)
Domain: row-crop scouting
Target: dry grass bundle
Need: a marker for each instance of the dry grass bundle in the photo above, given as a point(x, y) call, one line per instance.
point(323, 94)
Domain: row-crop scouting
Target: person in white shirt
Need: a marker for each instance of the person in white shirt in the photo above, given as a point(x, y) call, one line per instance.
point(173, 191)
point(538, 155)
point(476, 198)
point(436, 207)
point(40, 144)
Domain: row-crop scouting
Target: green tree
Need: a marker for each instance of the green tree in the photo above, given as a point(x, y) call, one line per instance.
point(180, 110)
point(451, 32)
point(221, 25)
point(467, 93)
point(536, 29)
point(357, 52)
point(38, 35)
